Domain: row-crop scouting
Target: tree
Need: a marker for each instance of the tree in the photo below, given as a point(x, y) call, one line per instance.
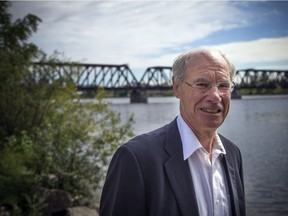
point(49, 136)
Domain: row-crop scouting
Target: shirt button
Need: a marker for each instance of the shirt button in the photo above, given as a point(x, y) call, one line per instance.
point(217, 201)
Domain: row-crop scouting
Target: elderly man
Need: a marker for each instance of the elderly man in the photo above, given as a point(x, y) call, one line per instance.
point(184, 168)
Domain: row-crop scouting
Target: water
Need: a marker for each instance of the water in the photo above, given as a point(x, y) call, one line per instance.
point(257, 124)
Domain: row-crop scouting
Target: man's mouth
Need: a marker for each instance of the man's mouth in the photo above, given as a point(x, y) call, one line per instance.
point(211, 110)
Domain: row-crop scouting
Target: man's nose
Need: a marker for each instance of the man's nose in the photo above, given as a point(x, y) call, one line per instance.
point(214, 94)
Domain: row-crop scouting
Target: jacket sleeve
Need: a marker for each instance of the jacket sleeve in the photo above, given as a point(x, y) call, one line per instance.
point(123, 192)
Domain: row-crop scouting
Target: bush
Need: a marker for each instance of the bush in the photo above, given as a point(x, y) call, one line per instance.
point(49, 136)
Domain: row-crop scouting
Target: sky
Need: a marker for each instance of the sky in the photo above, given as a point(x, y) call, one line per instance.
point(254, 34)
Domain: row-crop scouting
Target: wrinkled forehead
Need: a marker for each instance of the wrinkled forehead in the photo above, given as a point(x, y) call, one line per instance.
point(204, 58)
point(211, 63)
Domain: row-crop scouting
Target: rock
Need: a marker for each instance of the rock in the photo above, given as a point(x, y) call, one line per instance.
point(56, 201)
point(81, 211)
point(90, 203)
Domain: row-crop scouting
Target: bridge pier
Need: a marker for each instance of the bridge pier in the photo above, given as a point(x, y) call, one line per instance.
point(236, 94)
point(138, 96)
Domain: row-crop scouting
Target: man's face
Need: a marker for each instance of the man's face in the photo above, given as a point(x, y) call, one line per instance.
point(204, 110)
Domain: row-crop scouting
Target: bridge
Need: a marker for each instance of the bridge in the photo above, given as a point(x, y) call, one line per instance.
point(120, 78)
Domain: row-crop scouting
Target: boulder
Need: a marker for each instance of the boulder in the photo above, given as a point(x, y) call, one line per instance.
point(81, 211)
point(56, 201)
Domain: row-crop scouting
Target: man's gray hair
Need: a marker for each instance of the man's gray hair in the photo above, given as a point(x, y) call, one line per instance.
point(180, 64)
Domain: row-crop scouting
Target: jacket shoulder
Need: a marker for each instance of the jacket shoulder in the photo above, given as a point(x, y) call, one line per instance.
point(156, 138)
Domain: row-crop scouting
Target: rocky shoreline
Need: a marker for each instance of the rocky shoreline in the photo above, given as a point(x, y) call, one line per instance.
point(59, 203)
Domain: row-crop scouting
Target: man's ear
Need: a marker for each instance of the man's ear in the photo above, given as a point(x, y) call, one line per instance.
point(176, 87)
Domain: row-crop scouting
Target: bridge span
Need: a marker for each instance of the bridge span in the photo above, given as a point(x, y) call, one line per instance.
point(91, 77)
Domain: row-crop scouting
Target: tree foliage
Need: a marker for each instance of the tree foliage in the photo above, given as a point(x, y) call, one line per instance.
point(49, 136)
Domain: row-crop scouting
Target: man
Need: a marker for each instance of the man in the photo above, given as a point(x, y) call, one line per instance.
point(184, 168)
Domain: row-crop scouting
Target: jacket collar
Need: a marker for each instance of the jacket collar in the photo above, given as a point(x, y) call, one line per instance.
point(229, 168)
point(178, 172)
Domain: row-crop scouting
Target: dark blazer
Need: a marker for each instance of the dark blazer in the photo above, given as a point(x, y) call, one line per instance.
point(147, 176)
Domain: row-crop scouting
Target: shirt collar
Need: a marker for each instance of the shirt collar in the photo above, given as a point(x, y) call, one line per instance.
point(190, 142)
point(218, 145)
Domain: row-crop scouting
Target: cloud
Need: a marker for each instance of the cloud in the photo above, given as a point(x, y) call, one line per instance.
point(143, 33)
point(125, 30)
point(257, 52)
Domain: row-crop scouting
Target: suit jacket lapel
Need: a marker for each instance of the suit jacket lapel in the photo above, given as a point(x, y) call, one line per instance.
point(230, 173)
point(178, 173)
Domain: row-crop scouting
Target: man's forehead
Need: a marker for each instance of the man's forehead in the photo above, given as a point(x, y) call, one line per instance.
point(207, 69)
point(205, 56)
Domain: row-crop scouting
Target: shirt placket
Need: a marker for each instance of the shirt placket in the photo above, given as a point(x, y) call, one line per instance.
point(217, 186)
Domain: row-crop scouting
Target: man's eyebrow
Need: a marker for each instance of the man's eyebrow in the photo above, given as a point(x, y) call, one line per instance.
point(201, 80)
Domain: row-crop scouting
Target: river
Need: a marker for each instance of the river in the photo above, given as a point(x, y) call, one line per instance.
point(257, 124)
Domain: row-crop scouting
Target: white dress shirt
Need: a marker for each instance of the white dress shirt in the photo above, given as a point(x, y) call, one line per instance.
point(208, 176)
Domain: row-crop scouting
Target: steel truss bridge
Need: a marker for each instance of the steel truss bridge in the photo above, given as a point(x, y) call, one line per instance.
point(90, 77)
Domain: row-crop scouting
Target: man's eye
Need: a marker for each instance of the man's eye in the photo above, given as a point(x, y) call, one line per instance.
point(202, 85)
point(224, 85)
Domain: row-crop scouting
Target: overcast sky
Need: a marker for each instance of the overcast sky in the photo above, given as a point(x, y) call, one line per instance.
point(152, 33)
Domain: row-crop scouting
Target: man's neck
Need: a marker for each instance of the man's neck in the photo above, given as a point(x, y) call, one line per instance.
point(206, 138)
